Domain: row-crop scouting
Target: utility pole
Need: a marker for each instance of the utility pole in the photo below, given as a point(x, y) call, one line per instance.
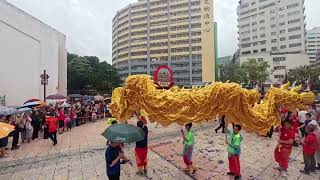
point(44, 81)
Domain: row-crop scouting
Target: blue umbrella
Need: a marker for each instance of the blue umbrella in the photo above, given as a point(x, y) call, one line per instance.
point(7, 110)
point(30, 104)
point(23, 110)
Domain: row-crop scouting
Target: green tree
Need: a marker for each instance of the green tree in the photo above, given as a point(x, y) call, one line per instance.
point(302, 74)
point(248, 73)
point(254, 72)
point(88, 71)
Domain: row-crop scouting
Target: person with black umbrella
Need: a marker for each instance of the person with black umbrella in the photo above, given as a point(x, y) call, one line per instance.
point(118, 134)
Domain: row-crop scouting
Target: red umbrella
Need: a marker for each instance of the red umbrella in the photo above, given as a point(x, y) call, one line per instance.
point(56, 97)
point(31, 100)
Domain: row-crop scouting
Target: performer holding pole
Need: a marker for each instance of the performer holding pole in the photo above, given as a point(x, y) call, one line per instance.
point(233, 147)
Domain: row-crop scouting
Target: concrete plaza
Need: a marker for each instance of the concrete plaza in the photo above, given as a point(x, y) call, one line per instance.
point(79, 154)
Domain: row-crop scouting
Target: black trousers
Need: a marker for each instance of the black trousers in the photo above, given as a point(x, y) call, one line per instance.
point(53, 137)
point(114, 177)
point(35, 133)
point(269, 134)
point(15, 137)
point(45, 133)
point(302, 130)
point(309, 162)
point(222, 125)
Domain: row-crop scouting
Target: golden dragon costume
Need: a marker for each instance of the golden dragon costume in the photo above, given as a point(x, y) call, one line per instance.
point(179, 105)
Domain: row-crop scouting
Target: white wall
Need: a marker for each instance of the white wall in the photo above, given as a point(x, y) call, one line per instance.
point(27, 47)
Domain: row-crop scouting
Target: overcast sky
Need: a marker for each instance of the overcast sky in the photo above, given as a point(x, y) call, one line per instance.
point(88, 23)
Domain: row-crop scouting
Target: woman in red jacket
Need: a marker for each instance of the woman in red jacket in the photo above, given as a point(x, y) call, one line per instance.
point(52, 125)
point(61, 118)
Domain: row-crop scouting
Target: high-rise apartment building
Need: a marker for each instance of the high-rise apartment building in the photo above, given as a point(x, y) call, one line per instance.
point(273, 31)
point(177, 33)
point(313, 43)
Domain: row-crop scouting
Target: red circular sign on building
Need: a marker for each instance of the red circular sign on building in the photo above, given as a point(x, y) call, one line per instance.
point(163, 76)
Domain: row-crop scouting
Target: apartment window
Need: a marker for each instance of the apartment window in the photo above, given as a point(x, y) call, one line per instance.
point(253, 3)
point(245, 39)
point(293, 5)
point(273, 40)
point(254, 30)
point(262, 28)
point(263, 42)
point(282, 38)
point(254, 23)
point(272, 11)
point(272, 18)
point(260, 59)
point(255, 44)
point(282, 24)
point(274, 48)
point(254, 37)
point(311, 37)
point(245, 25)
point(294, 21)
point(262, 35)
point(281, 16)
point(295, 36)
point(273, 25)
point(246, 52)
point(293, 13)
point(263, 50)
point(294, 45)
point(273, 33)
point(283, 46)
point(278, 59)
point(279, 67)
point(267, 5)
point(255, 51)
point(262, 21)
point(278, 76)
point(282, 31)
point(245, 45)
point(245, 32)
point(245, 5)
point(294, 29)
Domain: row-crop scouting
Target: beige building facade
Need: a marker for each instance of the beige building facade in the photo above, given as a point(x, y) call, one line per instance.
point(177, 33)
point(273, 31)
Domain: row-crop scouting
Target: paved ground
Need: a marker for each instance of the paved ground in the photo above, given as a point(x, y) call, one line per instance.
point(80, 155)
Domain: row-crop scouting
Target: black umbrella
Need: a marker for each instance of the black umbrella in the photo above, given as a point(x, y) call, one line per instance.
point(125, 133)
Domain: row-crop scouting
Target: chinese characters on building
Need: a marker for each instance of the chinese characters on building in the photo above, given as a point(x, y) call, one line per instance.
point(206, 15)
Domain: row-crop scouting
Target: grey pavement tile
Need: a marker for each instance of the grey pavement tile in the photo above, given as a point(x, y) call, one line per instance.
point(5, 176)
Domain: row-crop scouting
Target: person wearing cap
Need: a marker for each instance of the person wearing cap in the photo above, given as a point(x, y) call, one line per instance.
point(305, 124)
point(317, 133)
point(309, 149)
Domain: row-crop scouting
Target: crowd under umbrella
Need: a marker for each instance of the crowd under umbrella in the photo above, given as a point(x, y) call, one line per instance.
point(75, 96)
point(65, 105)
point(124, 133)
point(55, 97)
point(5, 111)
point(98, 98)
point(23, 110)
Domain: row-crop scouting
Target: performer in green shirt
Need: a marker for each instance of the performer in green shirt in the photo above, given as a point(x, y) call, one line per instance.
point(188, 143)
point(233, 147)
